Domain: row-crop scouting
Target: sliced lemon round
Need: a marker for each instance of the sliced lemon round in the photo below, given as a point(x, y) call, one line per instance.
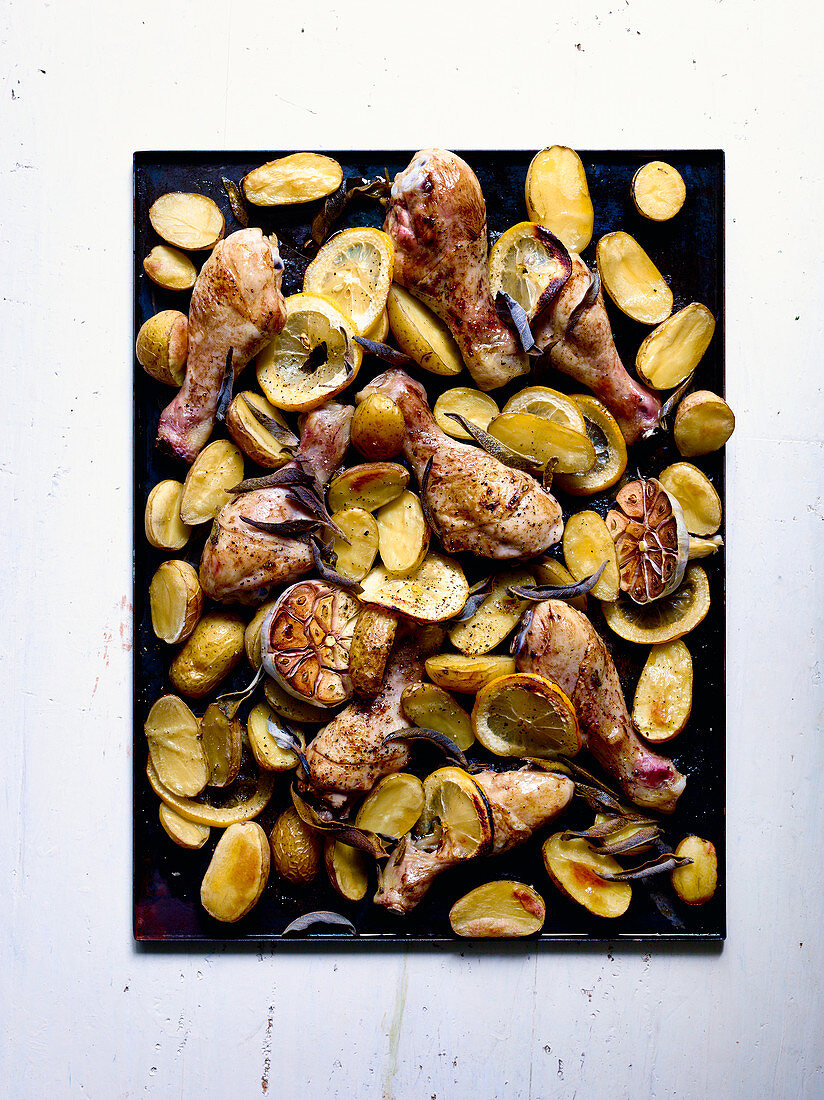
point(313, 358)
point(525, 715)
point(530, 265)
point(662, 620)
point(354, 269)
point(610, 450)
point(456, 805)
point(548, 404)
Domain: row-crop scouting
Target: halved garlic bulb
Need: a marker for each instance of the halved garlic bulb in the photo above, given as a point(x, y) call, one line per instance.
point(651, 540)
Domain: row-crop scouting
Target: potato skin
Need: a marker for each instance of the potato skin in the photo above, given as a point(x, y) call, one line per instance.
point(296, 848)
point(378, 427)
point(210, 654)
point(163, 345)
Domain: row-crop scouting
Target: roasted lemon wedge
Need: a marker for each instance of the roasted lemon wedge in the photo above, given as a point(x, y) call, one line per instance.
point(662, 620)
point(454, 804)
point(530, 265)
point(610, 450)
point(313, 358)
point(549, 405)
point(525, 715)
point(354, 269)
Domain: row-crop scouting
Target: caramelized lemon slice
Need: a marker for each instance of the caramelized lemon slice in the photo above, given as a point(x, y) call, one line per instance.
point(662, 620)
point(548, 404)
point(313, 358)
point(525, 715)
point(530, 265)
point(354, 269)
point(455, 804)
point(610, 450)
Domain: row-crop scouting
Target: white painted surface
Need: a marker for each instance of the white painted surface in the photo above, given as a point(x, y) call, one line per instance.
point(83, 1012)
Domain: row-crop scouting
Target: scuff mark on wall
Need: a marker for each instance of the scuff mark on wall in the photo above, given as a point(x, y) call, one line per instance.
point(394, 1034)
point(267, 1051)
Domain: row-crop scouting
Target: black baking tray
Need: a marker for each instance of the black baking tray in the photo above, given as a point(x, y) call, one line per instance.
point(689, 250)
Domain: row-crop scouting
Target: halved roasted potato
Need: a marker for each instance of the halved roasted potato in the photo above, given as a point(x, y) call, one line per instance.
point(573, 866)
point(473, 405)
point(356, 556)
point(210, 653)
point(544, 441)
point(215, 470)
point(696, 882)
point(658, 191)
point(632, 280)
point(297, 848)
point(246, 803)
point(378, 428)
point(498, 909)
point(421, 334)
point(372, 643)
point(610, 450)
point(557, 196)
point(251, 635)
point(430, 707)
point(175, 749)
point(176, 601)
point(392, 806)
point(432, 593)
point(348, 869)
point(300, 177)
point(163, 346)
point(495, 618)
point(587, 545)
point(187, 220)
point(700, 503)
point(455, 672)
point(403, 533)
point(663, 697)
point(270, 446)
point(221, 735)
point(170, 268)
point(184, 833)
point(368, 486)
point(703, 423)
point(672, 351)
point(287, 706)
point(237, 873)
point(267, 752)
point(164, 528)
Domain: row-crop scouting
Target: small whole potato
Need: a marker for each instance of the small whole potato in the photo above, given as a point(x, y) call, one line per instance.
point(212, 651)
point(297, 849)
point(378, 427)
point(163, 345)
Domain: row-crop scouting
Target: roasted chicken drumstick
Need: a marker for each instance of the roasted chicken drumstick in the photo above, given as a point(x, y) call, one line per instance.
point(236, 305)
point(476, 502)
point(562, 644)
point(242, 563)
point(437, 220)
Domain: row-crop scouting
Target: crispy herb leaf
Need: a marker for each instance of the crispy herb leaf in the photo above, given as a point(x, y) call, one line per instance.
point(589, 299)
point(352, 188)
point(319, 916)
point(542, 592)
point(373, 843)
point(328, 573)
point(384, 352)
point(509, 310)
point(287, 739)
point(281, 434)
point(427, 513)
point(657, 866)
point(289, 528)
point(286, 476)
point(497, 449)
point(233, 699)
point(440, 740)
point(646, 834)
point(669, 406)
point(236, 201)
point(517, 643)
point(224, 398)
point(316, 358)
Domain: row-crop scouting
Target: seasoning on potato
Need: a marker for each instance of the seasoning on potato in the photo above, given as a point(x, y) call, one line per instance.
point(632, 280)
point(260, 430)
point(430, 707)
point(557, 196)
point(163, 346)
point(265, 749)
point(216, 469)
point(455, 672)
point(378, 427)
point(357, 549)
point(221, 735)
point(296, 848)
point(170, 268)
point(431, 593)
point(175, 748)
point(187, 220)
point(473, 405)
point(209, 655)
point(695, 883)
point(237, 873)
point(403, 533)
point(421, 334)
point(368, 486)
point(658, 191)
point(663, 697)
point(498, 909)
point(301, 177)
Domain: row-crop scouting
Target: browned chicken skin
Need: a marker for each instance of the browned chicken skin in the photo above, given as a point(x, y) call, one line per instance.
point(243, 564)
point(437, 220)
point(475, 501)
point(236, 304)
point(562, 644)
point(588, 354)
point(521, 802)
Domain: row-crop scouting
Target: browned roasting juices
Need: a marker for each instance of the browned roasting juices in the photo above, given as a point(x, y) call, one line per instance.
point(411, 636)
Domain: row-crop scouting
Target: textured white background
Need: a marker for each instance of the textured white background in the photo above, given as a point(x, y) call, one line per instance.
point(85, 1014)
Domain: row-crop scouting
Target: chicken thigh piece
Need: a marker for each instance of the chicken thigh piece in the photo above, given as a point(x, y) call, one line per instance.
point(562, 644)
point(587, 353)
point(236, 304)
point(521, 802)
point(476, 502)
point(241, 563)
point(347, 757)
point(437, 220)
